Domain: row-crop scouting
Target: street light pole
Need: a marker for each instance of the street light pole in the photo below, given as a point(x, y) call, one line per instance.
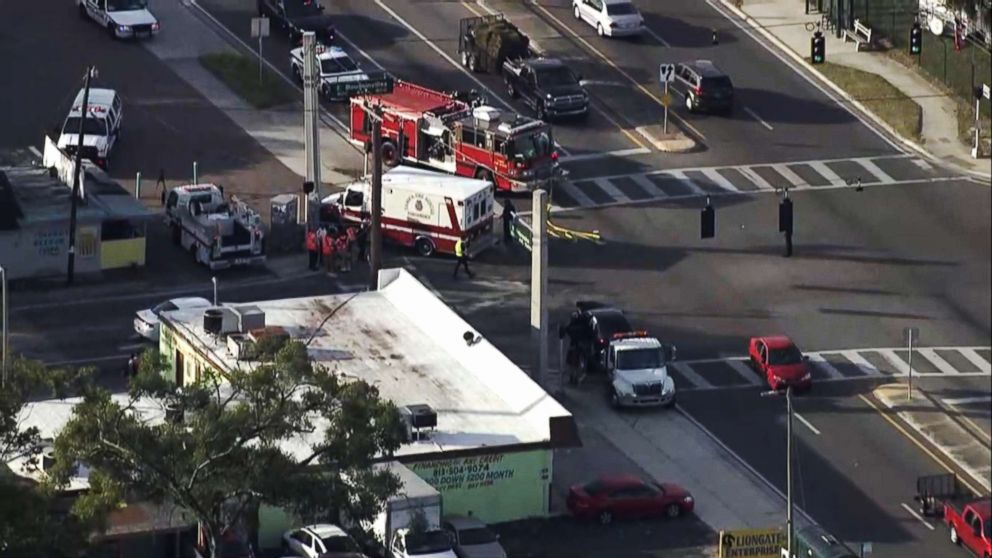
point(70, 272)
point(789, 513)
point(214, 280)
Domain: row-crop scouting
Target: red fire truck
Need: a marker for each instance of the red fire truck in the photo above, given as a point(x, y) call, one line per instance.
point(438, 130)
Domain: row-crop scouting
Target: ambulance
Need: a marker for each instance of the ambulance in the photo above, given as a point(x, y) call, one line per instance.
point(423, 209)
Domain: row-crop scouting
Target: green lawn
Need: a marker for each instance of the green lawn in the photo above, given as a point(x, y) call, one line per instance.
point(879, 96)
point(240, 73)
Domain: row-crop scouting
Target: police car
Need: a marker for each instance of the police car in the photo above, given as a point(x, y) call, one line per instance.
point(340, 76)
point(123, 19)
point(101, 127)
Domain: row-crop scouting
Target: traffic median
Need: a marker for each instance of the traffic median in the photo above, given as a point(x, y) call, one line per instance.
point(241, 74)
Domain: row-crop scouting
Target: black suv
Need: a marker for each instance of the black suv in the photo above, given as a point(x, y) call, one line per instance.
point(704, 87)
point(297, 16)
point(589, 332)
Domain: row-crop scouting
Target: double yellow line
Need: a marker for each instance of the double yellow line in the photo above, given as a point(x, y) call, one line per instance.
point(637, 141)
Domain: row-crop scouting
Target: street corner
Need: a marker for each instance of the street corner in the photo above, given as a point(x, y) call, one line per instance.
point(673, 141)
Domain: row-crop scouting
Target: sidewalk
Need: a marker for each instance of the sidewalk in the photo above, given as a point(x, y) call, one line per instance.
point(933, 422)
point(783, 23)
point(278, 130)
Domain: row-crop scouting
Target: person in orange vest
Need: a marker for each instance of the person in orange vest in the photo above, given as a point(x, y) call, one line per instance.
point(312, 249)
point(328, 252)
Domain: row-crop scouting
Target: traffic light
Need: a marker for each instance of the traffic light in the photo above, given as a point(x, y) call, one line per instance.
point(915, 38)
point(707, 221)
point(818, 48)
point(785, 216)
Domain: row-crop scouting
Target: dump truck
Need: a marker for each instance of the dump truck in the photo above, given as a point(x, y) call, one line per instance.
point(484, 42)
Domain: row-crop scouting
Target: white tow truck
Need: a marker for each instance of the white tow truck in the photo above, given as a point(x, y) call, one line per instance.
point(219, 234)
point(637, 366)
point(123, 19)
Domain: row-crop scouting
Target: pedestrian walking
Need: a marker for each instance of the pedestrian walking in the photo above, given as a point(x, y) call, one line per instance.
point(133, 365)
point(363, 239)
point(461, 252)
point(327, 247)
point(312, 250)
point(509, 212)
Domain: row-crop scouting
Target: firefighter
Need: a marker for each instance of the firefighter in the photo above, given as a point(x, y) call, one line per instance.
point(461, 252)
point(312, 249)
point(328, 252)
point(509, 212)
point(363, 241)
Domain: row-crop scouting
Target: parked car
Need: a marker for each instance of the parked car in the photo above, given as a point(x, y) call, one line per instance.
point(297, 16)
point(703, 87)
point(434, 543)
point(780, 362)
point(322, 540)
point(610, 18)
point(627, 496)
point(590, 330)
point(472, 538)
point(146, 322)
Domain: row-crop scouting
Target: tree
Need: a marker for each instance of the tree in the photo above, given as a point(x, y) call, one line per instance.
point(32, 518)
point(231, 451)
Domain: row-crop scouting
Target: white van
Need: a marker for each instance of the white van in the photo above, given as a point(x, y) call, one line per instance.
point(101, 127)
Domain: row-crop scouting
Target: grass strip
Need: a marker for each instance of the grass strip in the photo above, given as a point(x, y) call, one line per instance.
point(881, 97)
point(240, 73)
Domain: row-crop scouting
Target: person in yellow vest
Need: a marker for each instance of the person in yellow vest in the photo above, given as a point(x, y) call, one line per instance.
point(461, 252)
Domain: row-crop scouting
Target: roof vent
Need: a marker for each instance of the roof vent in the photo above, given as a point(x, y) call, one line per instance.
point(489, 114)
point(249, 318)
point(418, 418)
point(213, 320)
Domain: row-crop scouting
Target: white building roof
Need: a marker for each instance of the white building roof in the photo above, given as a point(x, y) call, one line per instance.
point(409, 344)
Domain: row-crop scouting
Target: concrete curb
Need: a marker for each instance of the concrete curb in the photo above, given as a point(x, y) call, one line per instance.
point(890, 132)
point(949, 437)
point(673, 142)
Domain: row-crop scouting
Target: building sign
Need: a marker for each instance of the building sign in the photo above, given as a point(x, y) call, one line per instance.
point(752, 543)
point(493, 487)
point(50, 242)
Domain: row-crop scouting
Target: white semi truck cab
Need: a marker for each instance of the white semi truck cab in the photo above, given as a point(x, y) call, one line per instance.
point(637, 366)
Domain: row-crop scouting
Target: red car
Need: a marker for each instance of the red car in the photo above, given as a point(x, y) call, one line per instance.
point(782, 364)
point(627, 496)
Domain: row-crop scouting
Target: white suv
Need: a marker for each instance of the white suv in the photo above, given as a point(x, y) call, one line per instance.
point(610, 18)
point(101, 127)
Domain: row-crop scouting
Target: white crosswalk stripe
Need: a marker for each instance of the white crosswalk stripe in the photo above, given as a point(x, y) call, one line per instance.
point(734, 372)
point(583, 191)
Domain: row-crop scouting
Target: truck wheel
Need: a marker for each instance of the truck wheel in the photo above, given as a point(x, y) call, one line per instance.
point(689, 104)
point(473, 64)
point(599, 30)
point(424, 246)
point(673, 511)
point(510, 90)
point(389, 154)
point(575, 12)
point(465, 58)
point(606, 517)
point(955, 539)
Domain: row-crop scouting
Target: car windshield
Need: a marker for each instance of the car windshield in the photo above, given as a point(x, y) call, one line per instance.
point(337, 65)
point(125, 5)
point(531, 147)
point(166, 306)
point(612, 323)
point(554, 77)
point(639, 359)
point(301, 7)
point(427, 543)
point(620, 9)
point(785, 355)
point(91, 126)
point(721, 83)
point(476, 535)
point(340, 543)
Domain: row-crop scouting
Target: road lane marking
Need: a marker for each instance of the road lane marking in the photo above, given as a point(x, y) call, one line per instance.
point(755, 178)
point(874, 169)
point(601, 154)
point(34, 150)
point(720, 180)
point(976, 359)
point(609, 188)
point(827, 172)
point(650, 188)
point(745, 371)
point(824, 365)
point(572, 191)
point(622, 72)
point(894, 360)
point(862, 363)
point(938, 361)
point(691, 375)
point(761, 120)
point(913, 513)
point(656, 36)
point(682, 178)
point(918, 444)
point(967, 400)
point(807, 423)
point(791, 177)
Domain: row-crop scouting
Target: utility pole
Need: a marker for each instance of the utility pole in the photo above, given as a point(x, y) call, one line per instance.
point(539, 286)
point(311, 122)
point(74, 202)
point(375, 234)
point(789, 513)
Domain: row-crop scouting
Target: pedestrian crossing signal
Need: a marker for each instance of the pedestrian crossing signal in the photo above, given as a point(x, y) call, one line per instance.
point(915, 39)
point(707, 222)
point(818, 48)
point(785, 216)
